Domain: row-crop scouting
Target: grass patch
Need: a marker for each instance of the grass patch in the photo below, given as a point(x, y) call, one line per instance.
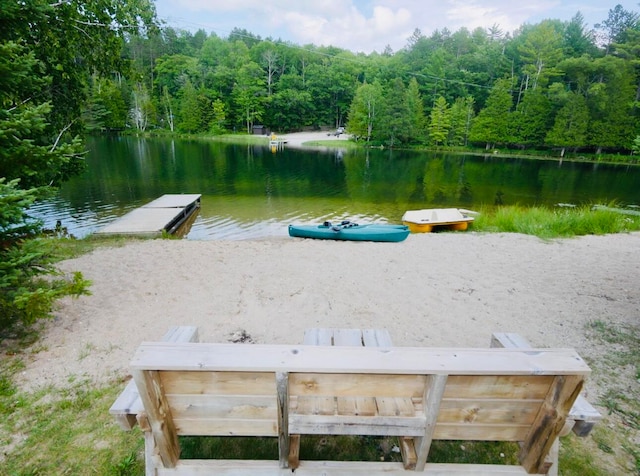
point(341, 144)
point(241, 139)
point(64, 431)
point(69, 248)
point(576, 460)
point(549, 223)
point(618, 373)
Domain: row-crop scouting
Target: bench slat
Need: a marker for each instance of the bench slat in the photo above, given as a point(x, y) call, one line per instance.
point(334, 468)
point(321, 359)
point(376, 338)
point(226, 406)
point(226, 427)
point(356, 385)
point(219, 383)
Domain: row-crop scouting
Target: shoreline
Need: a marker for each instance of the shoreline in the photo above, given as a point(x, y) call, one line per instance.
point(436, 290)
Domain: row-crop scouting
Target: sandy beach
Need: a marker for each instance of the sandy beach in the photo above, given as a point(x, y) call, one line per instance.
point(298, 139)
point(442, 289)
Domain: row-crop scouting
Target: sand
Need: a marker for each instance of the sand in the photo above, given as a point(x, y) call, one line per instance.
point(298, 139)
point(441, 289)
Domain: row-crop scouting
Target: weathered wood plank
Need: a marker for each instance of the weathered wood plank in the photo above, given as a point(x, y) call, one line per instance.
point(369, 337)
point(330, 404)
point(159, 415)
point(481, 432)
point(356, 425)
point(390, 406)
point(318, 336)
point(315, 406)
point(408, 452)
point(294, 451)
point(432, 397)
point(549, 422)
point(128, 404)
point(488, 411)
point(347, 337)
point(333, 468)
point(365, 406)
point(282, 385)
point(251, 407)
point(356, 385)
point(395, 360)
point(226, 427)
point(174, 200)
point(219, 383)
point(376, 338)
point(526, 387)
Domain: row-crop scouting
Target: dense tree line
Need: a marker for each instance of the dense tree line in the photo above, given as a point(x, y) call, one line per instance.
point(552, 85)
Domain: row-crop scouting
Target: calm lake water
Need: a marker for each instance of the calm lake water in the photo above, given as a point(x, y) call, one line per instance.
point(249, 192)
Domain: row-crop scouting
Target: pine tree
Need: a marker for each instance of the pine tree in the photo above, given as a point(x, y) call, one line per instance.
point(570, 127)
point(440, 122)
point(492, 124)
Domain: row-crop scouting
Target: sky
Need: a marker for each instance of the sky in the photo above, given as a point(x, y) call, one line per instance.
point(370, 25)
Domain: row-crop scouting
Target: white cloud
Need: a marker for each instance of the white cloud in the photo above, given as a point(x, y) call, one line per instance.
point(367, 25)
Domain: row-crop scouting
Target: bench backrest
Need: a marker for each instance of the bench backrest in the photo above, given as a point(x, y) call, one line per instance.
point(425, 393)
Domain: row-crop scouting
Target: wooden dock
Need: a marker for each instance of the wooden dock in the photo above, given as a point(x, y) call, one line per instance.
point(164, 214)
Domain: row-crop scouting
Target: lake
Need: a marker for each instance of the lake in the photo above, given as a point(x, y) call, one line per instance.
point(250, 192)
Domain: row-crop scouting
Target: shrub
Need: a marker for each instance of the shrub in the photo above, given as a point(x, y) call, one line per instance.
point(29, 281)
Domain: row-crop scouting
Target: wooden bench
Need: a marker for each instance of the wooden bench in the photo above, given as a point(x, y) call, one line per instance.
point(417, 394)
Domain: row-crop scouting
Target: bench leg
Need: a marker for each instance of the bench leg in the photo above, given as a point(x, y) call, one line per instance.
point(294, 451)
point(149, 455)
point(552, 457)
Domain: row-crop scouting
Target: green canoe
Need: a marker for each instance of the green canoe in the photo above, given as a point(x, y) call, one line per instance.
point(349, 231)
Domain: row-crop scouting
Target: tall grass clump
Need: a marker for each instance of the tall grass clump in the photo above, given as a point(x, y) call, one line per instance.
point(550, 223)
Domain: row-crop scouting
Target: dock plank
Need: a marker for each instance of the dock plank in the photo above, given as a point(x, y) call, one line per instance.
point(172, 200)
point(162, 214)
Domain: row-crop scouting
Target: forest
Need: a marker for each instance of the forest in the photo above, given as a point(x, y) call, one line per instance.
point(111, 66)
point(555, 86)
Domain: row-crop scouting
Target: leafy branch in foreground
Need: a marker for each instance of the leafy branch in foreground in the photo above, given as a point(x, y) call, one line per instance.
point(29, 281)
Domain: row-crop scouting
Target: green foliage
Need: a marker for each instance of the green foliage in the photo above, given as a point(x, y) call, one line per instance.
point(394, 122)
point(24, 260)
point(106, 108)
point(554, 223)
point(492, 124)
point(540, 49)
point(570, 127)
point(530, 121)
point(462, 115)
point(26, 150)
point(440, 122)
point(365, 111)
